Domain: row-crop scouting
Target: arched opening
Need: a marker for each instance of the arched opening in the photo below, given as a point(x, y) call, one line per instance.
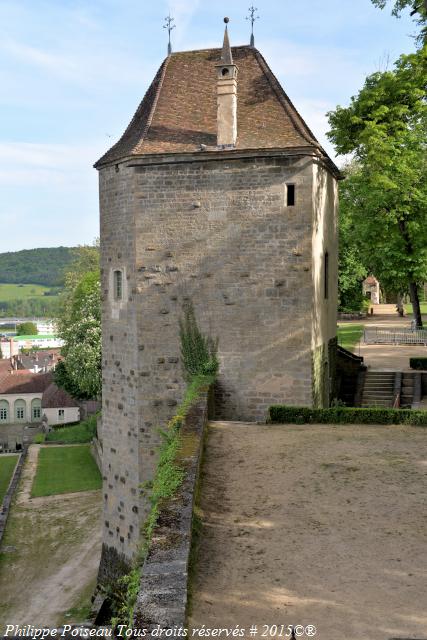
point(20, 411)
point(4, 411)
point(36, 410)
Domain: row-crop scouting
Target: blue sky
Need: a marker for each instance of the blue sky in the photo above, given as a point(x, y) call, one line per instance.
point(72, 73)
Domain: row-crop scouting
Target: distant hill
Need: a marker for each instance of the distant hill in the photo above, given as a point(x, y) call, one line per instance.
point(36, 266)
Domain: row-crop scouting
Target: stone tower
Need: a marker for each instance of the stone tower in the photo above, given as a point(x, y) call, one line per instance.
point(217, 192)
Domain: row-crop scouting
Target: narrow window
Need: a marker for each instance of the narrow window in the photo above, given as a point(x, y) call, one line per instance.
point(36, 412)
point(326, 276)
point(61, 414)
point(118, 285)
point(290, 195)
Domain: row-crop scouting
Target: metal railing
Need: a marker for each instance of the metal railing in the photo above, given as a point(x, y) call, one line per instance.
point(395, 336)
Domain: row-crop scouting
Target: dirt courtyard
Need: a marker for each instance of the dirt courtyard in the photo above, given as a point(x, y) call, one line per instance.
point(49, 555)
point(314, 524)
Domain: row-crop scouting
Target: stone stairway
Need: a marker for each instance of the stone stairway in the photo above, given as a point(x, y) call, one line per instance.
point(385, 310)
point(378, 389)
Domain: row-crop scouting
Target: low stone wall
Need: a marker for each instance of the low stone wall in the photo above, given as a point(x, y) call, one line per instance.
point(4, 511)
point(96, 451)
point(162, 596)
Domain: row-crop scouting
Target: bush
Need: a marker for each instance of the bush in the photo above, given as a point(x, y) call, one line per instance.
point(346, 415)
point(199, 352)
point(418, 363)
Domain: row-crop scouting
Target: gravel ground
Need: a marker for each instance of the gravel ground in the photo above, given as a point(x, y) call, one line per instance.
point(315, 524)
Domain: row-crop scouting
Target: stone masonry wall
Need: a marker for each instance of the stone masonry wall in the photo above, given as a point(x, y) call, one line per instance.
point(218, 233)
point(119, 430)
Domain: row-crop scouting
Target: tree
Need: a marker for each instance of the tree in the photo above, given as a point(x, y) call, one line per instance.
point(417, 8)
point(385, 129)
point(79, 325)
point(27, 329)
point(352, 269)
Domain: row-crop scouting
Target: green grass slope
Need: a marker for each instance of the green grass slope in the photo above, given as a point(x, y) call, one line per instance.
point(65, 469)
point(7, 465)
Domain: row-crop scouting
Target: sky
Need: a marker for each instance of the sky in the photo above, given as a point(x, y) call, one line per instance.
point(72, 73)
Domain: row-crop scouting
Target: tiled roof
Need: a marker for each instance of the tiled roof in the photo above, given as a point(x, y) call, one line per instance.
point(24, 382)
point(179, 110)
point(56, 398)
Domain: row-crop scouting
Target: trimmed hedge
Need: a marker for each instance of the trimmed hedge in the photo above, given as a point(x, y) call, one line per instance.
point(418, 363)
point(346, 415)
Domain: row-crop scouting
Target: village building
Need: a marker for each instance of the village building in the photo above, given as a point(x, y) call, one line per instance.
point(58, 407)
point(30, 398)
point(217, 193)
point(371, 289)
point(14, 345)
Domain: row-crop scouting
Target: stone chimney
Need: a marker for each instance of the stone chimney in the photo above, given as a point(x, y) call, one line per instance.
point(226, 96)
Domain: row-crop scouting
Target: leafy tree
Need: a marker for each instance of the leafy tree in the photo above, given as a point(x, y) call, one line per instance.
point(27, 329)
point(351, 264)
point(417, 8)
point(199, 352)
point(79, 325)
point(385, 129)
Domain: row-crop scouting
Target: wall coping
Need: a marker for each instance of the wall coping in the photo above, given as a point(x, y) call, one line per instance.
point(162, 596)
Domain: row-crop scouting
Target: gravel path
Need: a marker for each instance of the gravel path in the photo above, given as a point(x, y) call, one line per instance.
point(50, 553)
point(317, 525)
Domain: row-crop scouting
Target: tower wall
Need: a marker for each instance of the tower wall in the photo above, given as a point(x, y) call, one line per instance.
point(219, 233)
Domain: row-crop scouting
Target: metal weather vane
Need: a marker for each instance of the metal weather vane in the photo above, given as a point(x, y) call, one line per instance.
point(252, 17)
point(169, 26)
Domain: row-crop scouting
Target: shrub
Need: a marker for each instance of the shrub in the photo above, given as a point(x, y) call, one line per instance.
point(418, 363)
point(346, 415)
point(199, 352)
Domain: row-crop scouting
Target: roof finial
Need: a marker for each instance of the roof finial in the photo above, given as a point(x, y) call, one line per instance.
point(226, 55)
point(169, 26)
point(252, 17)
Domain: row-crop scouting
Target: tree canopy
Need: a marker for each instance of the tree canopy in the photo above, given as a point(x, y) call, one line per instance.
point(384, 128)
point(79, 325)
point(27, 329)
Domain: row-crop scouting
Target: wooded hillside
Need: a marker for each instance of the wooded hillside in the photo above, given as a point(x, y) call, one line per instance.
point(36, 266)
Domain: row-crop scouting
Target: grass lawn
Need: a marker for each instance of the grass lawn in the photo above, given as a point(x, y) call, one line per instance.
point(65, 469)
point(423, 305)
point(10, 292)
point(349, 335)
point(79, 433)
point(7, 465)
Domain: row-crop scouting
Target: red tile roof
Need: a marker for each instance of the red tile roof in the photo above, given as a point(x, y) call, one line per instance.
point(22, 381)
point(54, 398)
point(179, 110)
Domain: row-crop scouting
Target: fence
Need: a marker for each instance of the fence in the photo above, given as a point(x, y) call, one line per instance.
point(395, 336)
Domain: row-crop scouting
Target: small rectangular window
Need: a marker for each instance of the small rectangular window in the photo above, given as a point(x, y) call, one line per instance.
point(118, 285)
point(326, 276)
point(61, 413)
point(290, 195)
point(36, 412)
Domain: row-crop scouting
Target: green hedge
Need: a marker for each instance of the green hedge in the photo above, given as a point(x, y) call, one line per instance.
point(418, 363)
point(346, 415)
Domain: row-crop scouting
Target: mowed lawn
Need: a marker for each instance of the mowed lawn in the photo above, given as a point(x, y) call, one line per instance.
point(423, 305)
point(65, 469)
point(10, 292)
point(349, 335)
point(7, 465)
